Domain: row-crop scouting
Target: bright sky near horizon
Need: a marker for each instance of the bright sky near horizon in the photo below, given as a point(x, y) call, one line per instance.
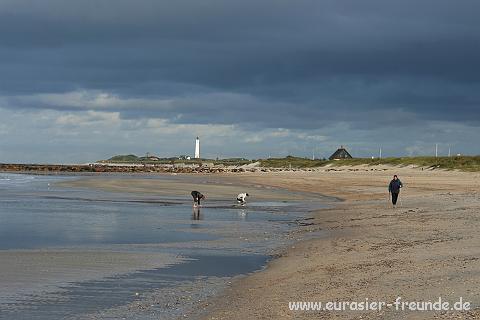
point(85, 80)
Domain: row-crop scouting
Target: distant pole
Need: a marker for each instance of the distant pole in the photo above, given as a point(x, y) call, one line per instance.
point(449, 153)
point(313, 154)
point(436, 150)
point(380, 154)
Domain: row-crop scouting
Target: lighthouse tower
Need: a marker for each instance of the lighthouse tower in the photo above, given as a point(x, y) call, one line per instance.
point(197, 148)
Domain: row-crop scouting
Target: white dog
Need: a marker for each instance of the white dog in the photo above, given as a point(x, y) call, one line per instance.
point(241, 198)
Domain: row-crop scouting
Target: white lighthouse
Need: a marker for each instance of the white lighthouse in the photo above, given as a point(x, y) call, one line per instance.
point(197, 148)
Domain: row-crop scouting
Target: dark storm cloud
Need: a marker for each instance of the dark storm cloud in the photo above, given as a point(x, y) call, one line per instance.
point(291, 64)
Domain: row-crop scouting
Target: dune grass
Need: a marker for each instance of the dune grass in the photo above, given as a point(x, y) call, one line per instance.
point(293, 162)
point(464, 163)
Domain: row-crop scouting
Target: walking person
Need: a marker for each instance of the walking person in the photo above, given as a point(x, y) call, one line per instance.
point(394, 189)
point(197, 196)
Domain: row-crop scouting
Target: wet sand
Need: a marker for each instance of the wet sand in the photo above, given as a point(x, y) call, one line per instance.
point(29, 272)
point(216, 187)
point(34, 278)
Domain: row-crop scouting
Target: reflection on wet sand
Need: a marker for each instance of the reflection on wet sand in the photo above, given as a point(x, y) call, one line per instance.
point(88, 242)
point(196, 214)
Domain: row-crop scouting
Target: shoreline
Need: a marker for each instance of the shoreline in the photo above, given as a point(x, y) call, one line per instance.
point(372, 250)
point(221, 186)
point(218, 188)
point(421, 250)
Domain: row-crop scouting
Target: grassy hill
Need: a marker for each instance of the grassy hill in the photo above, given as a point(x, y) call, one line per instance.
point(124, 158)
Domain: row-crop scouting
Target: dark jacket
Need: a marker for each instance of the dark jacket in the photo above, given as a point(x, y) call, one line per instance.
point(197, 195)
point(395, 186)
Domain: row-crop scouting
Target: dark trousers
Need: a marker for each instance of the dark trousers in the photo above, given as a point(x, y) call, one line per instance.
point(394, 197)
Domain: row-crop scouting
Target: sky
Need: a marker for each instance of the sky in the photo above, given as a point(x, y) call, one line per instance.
point(85, 80)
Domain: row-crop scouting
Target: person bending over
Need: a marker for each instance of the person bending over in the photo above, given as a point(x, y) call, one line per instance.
point(197, 196)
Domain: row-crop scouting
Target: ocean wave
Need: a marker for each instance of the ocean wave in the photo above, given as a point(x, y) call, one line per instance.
point(7, 178)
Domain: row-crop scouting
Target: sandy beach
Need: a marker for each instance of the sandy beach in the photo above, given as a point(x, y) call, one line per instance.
point(111, 246)
point(425, 248)
point(358, 248)
point(44, 270)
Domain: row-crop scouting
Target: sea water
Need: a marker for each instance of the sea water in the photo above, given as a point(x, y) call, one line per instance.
point(222, 240)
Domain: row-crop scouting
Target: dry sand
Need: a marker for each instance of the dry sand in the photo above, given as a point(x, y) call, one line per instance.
point(426, 248)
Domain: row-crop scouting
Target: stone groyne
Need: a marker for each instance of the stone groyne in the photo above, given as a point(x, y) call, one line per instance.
point(122, 168)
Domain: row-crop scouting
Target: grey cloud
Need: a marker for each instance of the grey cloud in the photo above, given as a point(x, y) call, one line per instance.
point(301, 65)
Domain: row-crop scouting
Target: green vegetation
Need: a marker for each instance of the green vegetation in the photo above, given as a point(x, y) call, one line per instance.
point(124, 158)
point(464, 163)
point(232, 162)
point(131, 158)
point(293, 162)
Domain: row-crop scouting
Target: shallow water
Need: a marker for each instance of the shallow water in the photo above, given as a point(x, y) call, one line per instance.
point(88, 297)
point(221, 240)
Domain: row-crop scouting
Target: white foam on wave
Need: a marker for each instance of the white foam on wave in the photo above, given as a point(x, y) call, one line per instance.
point(12, 179)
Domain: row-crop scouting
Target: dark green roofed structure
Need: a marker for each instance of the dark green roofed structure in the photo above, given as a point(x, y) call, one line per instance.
point(341, 153)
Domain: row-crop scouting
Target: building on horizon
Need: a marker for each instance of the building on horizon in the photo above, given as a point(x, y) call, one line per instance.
point(197, 148)
point(340, 154)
